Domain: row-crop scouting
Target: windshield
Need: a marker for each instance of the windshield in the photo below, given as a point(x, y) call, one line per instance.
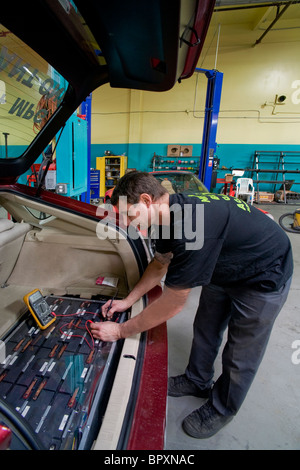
point(30, 92)
point(180, 182)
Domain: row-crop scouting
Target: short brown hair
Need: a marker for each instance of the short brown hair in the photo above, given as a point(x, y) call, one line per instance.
point(135, 183)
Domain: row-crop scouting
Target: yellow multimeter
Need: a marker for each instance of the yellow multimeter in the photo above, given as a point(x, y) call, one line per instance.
point(39, 309)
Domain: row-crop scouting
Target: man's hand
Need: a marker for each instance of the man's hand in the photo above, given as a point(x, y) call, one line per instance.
point(106, 331)
point(165, 307)
point(110, 307)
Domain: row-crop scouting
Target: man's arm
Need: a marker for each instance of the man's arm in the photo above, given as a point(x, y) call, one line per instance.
point(165, 307)
point(153, 274)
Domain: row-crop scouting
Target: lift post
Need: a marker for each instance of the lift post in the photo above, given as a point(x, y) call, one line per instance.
point(212, 107)
point(86, 109)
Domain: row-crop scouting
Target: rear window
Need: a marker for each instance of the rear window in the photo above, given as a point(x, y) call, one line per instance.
point(180, 182)
point(30, 92)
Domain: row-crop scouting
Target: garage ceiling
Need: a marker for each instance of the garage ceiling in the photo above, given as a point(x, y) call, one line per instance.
point(257, 21)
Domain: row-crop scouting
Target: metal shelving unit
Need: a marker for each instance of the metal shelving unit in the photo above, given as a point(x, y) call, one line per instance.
point(112, 168)
point(280, 164)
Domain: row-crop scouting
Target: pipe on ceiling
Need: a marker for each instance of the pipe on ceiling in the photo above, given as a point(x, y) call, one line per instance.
point(279, 14)
point(261, 5)
point(219, 8)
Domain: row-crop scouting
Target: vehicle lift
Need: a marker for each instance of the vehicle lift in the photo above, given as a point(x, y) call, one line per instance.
point(212, 107)
point(208, 150)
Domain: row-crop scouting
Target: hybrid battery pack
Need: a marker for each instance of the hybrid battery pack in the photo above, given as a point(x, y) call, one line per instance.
point(58, 379)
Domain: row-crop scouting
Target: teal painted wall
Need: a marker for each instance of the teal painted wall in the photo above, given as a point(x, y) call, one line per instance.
point(230, 155)
point(139, 155)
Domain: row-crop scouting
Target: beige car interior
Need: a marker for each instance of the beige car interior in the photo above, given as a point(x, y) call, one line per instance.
point(61, 254)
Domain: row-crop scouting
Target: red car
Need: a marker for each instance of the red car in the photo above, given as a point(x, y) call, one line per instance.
point(178, 181)
point(60, 389)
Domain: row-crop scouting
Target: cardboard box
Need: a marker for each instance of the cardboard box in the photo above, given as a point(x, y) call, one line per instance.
point(264, 197)
point(290, 196)
point(186, 150)
point(228, 178)
point(173, 150)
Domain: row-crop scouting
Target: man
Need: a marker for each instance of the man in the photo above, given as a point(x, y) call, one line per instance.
point(243, 261)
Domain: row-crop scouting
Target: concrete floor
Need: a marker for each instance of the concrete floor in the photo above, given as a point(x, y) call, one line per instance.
point(269, 418)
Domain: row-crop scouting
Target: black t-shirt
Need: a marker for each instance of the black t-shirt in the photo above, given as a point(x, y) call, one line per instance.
point(222, 240)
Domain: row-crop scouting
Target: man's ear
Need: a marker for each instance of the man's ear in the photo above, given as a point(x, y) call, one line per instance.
point(146, 199)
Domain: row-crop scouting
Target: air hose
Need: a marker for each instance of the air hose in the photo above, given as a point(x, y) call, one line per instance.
point(294, 227)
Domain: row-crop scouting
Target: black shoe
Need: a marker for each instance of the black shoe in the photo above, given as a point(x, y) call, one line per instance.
point(181, 386)
point(204, 422)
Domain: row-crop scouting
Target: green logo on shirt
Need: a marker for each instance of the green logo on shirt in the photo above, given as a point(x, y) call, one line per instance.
point(207, 197)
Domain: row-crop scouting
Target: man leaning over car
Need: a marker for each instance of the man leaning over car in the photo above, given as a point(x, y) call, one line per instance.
point(244, 265)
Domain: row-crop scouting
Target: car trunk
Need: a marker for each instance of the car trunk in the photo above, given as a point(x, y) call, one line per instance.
point(60, 252)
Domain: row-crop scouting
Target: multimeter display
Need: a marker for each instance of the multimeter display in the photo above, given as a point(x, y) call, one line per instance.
point(39, 308)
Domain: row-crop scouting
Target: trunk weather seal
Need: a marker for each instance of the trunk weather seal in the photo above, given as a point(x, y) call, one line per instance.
point(129, 414)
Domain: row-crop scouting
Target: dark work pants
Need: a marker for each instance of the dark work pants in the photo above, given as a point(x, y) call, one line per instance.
point(249, 316)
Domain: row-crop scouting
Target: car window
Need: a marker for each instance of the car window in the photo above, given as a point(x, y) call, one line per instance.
point(180, 182)
point(30, 92)
point(37, 214)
